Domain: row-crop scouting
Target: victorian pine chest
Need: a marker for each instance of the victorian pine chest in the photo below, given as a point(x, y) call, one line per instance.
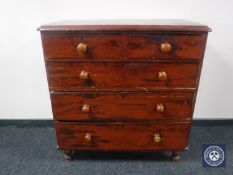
point(123, 85)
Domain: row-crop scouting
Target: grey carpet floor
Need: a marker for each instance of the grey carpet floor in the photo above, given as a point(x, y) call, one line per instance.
point(32, 151)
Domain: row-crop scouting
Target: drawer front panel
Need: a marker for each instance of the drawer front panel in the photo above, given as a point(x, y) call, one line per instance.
point(122, 46)
point(122, 136)
point(58, 46)
point(124, 106)
point(156, 46)
point(65, 76)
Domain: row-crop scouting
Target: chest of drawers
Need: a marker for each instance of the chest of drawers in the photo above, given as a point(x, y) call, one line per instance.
point(123, 85)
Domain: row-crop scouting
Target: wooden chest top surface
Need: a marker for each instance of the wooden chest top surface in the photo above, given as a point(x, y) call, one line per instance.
point(126, 24)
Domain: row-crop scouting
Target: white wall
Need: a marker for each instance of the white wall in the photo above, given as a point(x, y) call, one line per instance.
point(23, 85)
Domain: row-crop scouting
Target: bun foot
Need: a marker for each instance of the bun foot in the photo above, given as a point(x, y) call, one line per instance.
point(175, 156)
point(68, 154)
point(58, 148)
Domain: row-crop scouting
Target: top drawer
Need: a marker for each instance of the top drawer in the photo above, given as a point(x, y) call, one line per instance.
point(84, 47)
point(165, 46)
point(80, 46)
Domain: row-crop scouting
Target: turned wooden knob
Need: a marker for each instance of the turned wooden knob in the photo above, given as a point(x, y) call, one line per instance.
point(162, 76)
point(87, 137)
point(83, 75)
point(82, 48)
point(85, 109)
point(166, 47)
point(157, 138)
point(160, 107)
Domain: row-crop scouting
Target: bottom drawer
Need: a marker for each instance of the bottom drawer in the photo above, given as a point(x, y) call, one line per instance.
point(122, 136)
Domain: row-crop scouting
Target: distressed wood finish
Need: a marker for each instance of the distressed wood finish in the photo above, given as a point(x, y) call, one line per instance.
point(122, 136)
point(123, 106)
point(123, 85)
point(58, 46)
point(126, 25)
point(64, 76)
point(122, 46)
point(185, 47)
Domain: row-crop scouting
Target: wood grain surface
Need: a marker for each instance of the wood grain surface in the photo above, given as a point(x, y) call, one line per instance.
point(122, 136)
point(123, 106)
point(122, 46)
point(64, 76)
point(129, 25)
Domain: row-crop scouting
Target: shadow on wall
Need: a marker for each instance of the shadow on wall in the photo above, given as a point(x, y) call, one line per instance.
point(215, 94)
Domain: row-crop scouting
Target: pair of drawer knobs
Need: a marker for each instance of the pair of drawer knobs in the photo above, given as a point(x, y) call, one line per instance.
point(84, 75)
point(157, 138)
point(164, 48)
point(86, 108)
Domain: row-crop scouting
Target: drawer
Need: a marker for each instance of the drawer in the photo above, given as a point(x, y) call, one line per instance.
point(122, 46)
point(122, 136)
point(122, 106)
point(81, 46)
point(159, 46)
point(72, 76)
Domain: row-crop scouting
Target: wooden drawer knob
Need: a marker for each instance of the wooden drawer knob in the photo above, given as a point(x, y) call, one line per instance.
point(162, 76)
point(166, 47)
point(87, 137)
point(82, 48)
point(83, 75)
point(85, 109)
point(160, 107)
point(157, 138)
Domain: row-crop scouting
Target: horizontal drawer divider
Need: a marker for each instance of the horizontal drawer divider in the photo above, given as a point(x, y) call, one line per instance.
point(124, 91)
point(125, 60)
point(127, 122)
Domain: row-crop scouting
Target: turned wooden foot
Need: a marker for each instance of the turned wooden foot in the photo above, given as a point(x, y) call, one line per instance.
point(58, 148)
point(175, 156)
point(68, 154)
